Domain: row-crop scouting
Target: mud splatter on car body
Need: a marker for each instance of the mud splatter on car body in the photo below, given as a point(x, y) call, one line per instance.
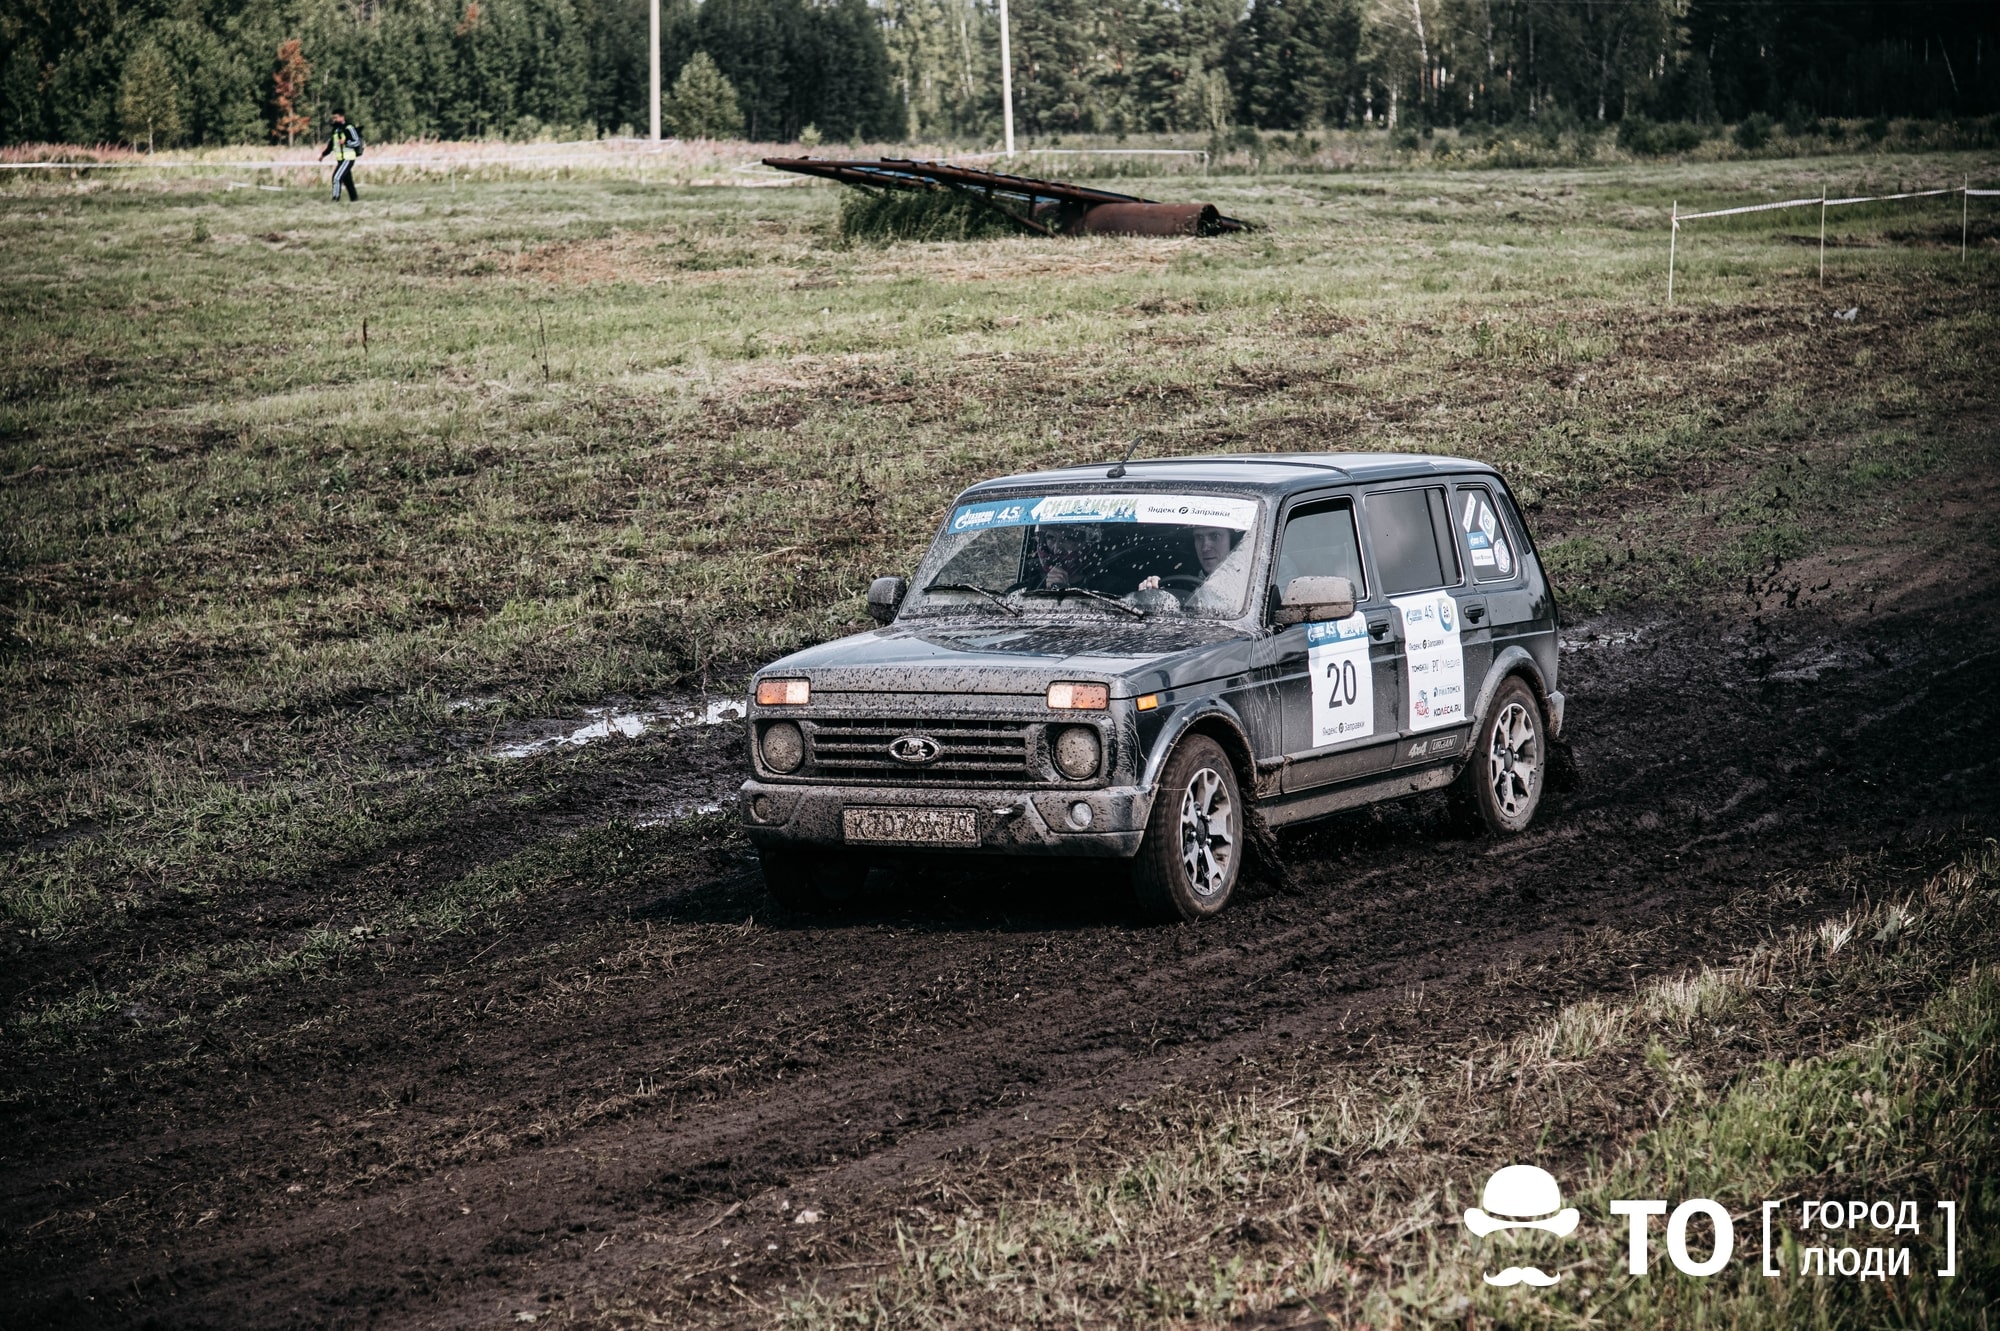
point(1343, 641)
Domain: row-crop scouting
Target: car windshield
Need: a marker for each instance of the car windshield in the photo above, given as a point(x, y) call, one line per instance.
point(1130, 555)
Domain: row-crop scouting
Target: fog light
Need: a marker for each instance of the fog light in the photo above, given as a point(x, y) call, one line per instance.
point(1079, 815)
point(783, 746)
point(1077, 751)
point(760, 808)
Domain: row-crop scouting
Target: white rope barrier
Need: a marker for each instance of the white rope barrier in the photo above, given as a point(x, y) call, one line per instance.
point(1753, 208)
point(1883, 198)
point(1676, 217)
point(1085, 152)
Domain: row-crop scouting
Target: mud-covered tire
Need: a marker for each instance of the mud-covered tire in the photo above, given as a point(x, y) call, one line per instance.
point(1192, 855)
point(1502, 784)
point(809, 879)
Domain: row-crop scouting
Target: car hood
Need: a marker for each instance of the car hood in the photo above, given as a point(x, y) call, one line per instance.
point(986, 657)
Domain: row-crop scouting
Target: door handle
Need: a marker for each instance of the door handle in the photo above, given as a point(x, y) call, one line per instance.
point(1475, 611)
point(1378, 628)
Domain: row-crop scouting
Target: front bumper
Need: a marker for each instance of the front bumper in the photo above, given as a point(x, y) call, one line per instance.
point(1010, 822)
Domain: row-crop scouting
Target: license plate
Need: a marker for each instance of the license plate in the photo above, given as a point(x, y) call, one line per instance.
point(912, 827)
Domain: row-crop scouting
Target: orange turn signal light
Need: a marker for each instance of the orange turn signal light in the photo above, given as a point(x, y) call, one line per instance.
point(784, 692)
point(1147, 702)
point(1080, 697)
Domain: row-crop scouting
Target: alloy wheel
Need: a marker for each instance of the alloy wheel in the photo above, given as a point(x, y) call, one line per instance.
point(1514, 759)
point(1207, 837)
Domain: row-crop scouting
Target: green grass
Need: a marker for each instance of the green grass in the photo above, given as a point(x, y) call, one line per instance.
point(894, 215)
point(282, 480)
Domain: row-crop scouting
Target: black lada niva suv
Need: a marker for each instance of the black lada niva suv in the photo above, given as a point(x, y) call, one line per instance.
point(1131, 662)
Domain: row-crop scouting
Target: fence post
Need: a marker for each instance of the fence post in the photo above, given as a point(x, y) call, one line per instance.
point(1964, 213)
point(1822, 235)
point(1673, 238)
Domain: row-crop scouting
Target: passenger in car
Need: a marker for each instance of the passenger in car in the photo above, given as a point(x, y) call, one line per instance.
point(1212, 545)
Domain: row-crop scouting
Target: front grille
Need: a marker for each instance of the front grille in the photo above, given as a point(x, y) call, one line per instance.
point(971, 751)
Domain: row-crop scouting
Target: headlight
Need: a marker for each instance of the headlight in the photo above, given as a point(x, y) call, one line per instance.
point(1079, 697)
point(784, 692)
point(1077, 752)
point(784, 748)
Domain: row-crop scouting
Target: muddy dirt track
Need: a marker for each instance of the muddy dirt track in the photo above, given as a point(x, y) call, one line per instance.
point(444, 1132)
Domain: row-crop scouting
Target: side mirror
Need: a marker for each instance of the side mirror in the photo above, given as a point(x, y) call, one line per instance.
point(1315, 598)
point(885, 596)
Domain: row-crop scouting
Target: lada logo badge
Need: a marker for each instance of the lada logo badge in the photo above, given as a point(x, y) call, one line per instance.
point(916, 750)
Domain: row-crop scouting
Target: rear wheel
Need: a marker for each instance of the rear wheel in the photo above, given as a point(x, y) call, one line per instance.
point(808, 879)
point(1192, 854)
point(1502, 784)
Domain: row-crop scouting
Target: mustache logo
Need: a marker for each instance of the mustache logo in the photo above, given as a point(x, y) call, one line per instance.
point(1522, 1197)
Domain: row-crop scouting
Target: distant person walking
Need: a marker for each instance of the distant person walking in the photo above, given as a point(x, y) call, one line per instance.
point(345, 145)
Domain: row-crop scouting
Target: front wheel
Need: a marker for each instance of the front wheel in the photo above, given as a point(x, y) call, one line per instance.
point(1193, 850)
point(1503, 782)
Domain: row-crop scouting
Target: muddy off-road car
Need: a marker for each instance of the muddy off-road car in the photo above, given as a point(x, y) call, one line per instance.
point(1122, 662)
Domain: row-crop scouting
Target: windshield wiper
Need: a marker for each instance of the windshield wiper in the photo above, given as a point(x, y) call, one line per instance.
point(1060, 592)
point(986, 592)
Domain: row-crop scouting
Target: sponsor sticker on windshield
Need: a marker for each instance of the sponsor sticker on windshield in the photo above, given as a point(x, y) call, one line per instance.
point(1176, 510)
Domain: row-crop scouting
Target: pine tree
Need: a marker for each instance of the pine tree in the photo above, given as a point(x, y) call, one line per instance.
point(149, 101)
point(1296, 62)
point(703, 103)
point(852, 99)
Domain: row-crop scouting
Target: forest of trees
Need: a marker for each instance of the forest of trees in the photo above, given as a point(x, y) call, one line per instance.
point(166, 72)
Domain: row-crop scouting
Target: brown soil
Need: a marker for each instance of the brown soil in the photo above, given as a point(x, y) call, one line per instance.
point(640, 1084)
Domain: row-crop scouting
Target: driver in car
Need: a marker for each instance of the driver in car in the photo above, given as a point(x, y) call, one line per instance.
point(1068, 555)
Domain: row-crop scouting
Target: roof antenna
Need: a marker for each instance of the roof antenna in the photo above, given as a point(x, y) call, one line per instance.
point(1119, 469)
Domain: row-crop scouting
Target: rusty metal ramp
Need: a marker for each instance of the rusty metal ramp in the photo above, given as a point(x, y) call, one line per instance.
point(1046, 207)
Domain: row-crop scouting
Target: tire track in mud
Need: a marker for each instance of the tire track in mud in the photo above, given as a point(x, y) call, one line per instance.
point(839, 1061)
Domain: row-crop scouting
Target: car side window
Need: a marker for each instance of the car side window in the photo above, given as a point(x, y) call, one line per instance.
point(1319, 541)
point(1410, 534)
point(1486, 538)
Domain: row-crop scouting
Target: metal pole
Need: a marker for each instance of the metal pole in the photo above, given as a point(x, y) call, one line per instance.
point(1673, 238)
point(1822, 235)
point(653, 63)
point(1964, 200)
point(1006, 79)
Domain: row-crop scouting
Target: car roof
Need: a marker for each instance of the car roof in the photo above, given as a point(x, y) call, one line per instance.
point(1279, 473)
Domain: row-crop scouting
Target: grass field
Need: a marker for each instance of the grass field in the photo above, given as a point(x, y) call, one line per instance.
point(304, 509)
point(285, 480)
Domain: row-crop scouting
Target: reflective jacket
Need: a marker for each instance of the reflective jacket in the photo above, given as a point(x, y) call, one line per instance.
point(346, 143)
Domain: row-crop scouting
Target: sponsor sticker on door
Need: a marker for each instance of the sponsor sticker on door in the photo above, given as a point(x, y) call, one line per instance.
point(1436, 660)
point(1343, 685)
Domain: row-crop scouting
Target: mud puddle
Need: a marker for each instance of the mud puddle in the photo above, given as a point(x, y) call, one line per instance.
point(627, 722)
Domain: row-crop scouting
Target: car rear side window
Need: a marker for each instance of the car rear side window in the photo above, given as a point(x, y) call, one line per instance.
point(1486, 537)
point(1320, 542)
point(1410, 533)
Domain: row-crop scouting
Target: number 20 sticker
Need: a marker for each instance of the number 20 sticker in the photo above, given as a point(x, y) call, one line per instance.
point(1343, 685)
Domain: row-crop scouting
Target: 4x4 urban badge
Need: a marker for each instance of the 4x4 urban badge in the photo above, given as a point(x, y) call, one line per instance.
point(1122, 663)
